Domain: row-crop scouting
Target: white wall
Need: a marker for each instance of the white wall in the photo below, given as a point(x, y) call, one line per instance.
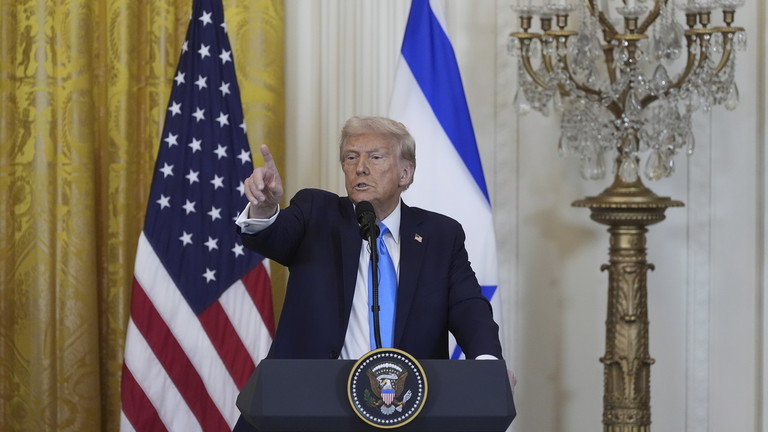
point(706, 302)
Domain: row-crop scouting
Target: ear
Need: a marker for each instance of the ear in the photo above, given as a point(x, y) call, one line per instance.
point(406, 175)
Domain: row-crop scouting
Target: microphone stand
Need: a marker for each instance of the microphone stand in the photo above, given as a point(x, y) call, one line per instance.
point(375, 308)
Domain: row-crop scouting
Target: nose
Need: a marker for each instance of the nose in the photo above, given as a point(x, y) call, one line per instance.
point(362, 166)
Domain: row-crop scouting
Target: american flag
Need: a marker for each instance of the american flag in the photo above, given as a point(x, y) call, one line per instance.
point(201, 308)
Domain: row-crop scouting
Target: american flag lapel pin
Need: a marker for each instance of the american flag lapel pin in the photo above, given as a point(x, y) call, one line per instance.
point(417, 238)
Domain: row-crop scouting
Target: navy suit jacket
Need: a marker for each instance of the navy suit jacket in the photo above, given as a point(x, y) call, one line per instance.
point(317, 238)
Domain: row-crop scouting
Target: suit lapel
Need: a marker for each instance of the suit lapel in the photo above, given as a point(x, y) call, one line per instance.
point(411, 255)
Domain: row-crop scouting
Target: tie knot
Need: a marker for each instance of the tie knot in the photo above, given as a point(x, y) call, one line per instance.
point(383, 229)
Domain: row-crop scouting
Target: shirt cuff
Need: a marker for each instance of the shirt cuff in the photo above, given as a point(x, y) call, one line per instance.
point(486, 357)
point(251, 225)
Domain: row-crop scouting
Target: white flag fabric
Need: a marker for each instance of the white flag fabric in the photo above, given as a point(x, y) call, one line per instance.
point(428, 98)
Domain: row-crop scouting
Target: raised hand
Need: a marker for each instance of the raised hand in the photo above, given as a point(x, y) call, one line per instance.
point(264, 188)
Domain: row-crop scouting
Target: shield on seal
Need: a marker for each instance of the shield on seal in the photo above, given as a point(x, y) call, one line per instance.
point(387, 393)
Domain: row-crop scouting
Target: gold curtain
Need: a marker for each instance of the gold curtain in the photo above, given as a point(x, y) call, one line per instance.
point(84, 87)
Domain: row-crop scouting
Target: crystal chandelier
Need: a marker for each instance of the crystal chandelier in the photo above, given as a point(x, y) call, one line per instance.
point(627, 81)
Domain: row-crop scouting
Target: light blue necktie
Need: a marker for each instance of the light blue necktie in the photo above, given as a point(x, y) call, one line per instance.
point(387, 292)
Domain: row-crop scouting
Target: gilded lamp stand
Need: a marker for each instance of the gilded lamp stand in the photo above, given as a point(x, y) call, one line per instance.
point(627, 208)
point(612, 82)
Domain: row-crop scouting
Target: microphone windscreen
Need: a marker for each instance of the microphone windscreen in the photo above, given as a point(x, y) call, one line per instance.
point(364, 211)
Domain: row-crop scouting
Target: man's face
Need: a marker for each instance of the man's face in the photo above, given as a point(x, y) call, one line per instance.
point(374, 172)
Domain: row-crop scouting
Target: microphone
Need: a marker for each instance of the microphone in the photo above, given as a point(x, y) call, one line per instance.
point(366, 218)
point(369, 230)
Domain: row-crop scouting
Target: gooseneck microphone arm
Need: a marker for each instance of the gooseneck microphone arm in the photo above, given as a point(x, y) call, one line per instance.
point(369, 231)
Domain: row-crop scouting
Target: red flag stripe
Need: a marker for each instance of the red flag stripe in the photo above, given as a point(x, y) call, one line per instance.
point(259, 287)
point(175, 361)
point(137, 407)
point(225, 339)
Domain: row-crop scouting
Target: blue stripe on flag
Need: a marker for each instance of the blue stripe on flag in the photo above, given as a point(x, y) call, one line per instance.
point(488, 291)
point(430, 57)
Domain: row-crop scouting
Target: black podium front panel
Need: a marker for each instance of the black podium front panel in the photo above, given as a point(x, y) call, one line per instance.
point(311, 395)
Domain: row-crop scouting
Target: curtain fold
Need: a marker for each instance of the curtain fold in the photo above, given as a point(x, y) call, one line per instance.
point(84, 87)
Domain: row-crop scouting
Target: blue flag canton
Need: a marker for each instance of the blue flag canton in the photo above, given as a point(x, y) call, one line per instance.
point(197, 188)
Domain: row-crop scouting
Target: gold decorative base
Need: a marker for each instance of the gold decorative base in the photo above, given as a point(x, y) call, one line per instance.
point(627, 208)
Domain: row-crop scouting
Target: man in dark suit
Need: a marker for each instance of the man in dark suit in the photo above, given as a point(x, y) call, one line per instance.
point(326, 311)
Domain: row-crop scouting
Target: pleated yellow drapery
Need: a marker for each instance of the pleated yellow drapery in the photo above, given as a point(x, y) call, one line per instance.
point(84, 87)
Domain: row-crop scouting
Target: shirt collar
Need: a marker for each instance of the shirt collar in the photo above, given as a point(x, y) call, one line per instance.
point(393, 222)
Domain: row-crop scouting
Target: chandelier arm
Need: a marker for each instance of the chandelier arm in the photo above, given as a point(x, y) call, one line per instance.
point(644, 102)
point(690, 63)
point(608, 54)
point(727, 49)
point(609, 31)
point(703, 56)
point(652, 16)
point(531, 73)
point(613, 107)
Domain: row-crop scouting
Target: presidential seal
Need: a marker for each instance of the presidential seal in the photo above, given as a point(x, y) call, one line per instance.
point(387, 388)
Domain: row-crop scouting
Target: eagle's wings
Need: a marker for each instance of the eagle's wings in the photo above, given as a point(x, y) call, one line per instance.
point(374, 383)
point(400, 384)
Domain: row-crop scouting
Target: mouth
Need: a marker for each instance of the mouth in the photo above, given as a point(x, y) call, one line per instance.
point(361, 186)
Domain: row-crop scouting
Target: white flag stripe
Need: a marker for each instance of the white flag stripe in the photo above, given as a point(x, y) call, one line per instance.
point(438, 8)
point(125, 425)
point(186, 327)
point(157, 385)
point(246, 319)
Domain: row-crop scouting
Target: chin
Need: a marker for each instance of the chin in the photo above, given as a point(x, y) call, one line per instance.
point(356, 196)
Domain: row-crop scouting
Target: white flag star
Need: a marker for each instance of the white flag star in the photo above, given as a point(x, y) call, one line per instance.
point(221, 151)
point(223, 119)
point(244, 156)
point(164, 201)
point(241, 188)
point(186, 238)
point(224, 88)
point(185, 47)
point(238, 250)
point(206, 18)
point(175, 108)
point(180, 76)
point(199, 114)
point(171, 139)
point(192, 176)
point(209, 275)
point(215, 213)
point(225, 56)
point(204, 51)
point(201, 82)
point(195, 145)
point(212, 243)
point(218, 182)
point(167, 170)
point(189, 207)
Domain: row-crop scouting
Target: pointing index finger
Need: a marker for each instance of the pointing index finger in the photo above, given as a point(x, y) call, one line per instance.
point(268, 159)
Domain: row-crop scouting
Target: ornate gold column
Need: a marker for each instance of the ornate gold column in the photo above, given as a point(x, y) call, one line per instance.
point(627, 208)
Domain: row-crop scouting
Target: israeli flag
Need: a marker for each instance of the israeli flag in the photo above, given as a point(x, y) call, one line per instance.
point(428, 98)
